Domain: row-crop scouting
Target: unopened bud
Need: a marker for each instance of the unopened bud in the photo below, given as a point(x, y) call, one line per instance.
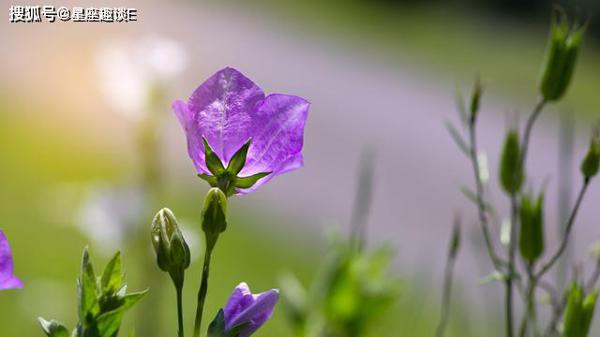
point(511, 168)
point(561, 57)
point(531, 238)
point(172, 252)
point(214, 213)
point(591, 161)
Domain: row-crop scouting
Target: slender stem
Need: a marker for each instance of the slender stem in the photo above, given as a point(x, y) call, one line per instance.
point(447, 295)
point(546, 267)
point(180, 331)
point(483, 218)
point(530, 316)
point(512, 249)
point(529, 127)
point(203, 288)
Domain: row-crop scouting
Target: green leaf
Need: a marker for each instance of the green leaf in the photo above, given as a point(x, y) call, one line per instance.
point(458, 139)
point(53, 328)
point(108, 323)
point(217, 326)
point(247, 182)
point(87, 290)
point(112, 277)
point(237, 162)
point(211, 180)
point(213, 162)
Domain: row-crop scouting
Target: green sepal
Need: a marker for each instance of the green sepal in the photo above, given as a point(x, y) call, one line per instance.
point(511, 168)
point(213, 162)
point(531, 238)
point(87, 291)
point(237, 162)
point(53, 328)
point(112, 276)
point(216, 328)
point(211, 180)
point(247, 182)
point(236, 330)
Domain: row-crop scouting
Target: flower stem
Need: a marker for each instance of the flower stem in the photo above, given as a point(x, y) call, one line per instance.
point(180, 332)
point(447, 294)
point(565, 239)
point(512, 249)
point(529, 127)
point(203, 286)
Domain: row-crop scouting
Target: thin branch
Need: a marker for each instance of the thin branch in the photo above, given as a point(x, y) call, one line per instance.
point(483, 217)
point(548, 265)
point(529, 127)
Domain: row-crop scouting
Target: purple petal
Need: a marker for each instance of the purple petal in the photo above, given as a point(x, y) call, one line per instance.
point(7, 279)
point(194, 138)
point(239, 300)
point(222, 109)
point(278, 137)
point(255, 314)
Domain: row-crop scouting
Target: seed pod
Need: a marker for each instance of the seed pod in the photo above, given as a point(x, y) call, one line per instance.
point(573, 313)
point(560, 59)
point(511, 168)
point(531, 238)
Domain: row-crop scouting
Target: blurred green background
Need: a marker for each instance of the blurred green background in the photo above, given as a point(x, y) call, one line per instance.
point(63, 134)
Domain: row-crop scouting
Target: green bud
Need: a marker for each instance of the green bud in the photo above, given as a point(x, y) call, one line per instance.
point(172, 252)
point(475, 100)
point(579, 312)
point(591, 161)
point(560, 59)
point(511, 168)
point(531, 238)
point(589, 304)
point(214, 214)
point(455, 239)
point(573, 313)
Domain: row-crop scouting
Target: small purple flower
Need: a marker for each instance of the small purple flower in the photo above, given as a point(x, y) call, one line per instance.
point(7, 279)
point(227, 110)
point(243, 307)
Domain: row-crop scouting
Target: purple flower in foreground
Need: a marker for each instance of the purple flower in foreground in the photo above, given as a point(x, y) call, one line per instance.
point(252, 310)
point(7, 279)
point(234, 116)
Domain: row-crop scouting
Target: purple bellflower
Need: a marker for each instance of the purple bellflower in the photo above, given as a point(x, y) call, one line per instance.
point(7, 279)
point(253, 136)
point(250, 310)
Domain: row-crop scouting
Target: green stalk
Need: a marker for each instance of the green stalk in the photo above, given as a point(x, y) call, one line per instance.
point(203, 287)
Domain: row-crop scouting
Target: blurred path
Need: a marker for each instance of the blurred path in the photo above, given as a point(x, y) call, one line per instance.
point(358, 101)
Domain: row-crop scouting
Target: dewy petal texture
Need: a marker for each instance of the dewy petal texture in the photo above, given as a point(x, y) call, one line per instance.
point(7, 279)
point(243, 307)
point(228, 109)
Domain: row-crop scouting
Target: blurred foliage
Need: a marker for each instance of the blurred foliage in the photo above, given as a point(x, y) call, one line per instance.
point(449, 41)
point(351, 291)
